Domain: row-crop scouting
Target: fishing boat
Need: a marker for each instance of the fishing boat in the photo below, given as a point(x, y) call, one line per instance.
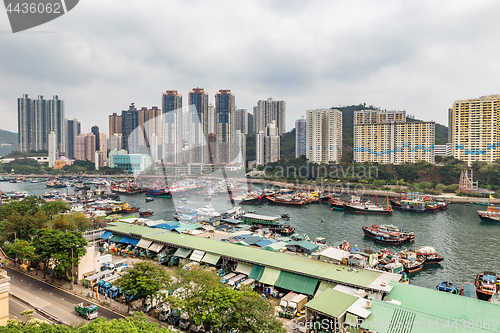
point(147, 212)
point(252, 199)
point(488, 216)
point(184, 200)
point(429, 254)
point(468, 290)
point(360, 207)
point(388, 234)
point(410, 261)
point(416, 205)
point(447, 287)
point(158, 193)
point(337, 204)
point(269, 222)
point(286, 201)
point(486, 285)
point(285, 216)
point(149, 199)
point(130, 209)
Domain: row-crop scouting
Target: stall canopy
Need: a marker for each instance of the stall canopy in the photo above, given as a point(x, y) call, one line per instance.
point(144, 244)
point(256, 272)
point(129, 240)
point(270, 276)
point(298, 283)
point(182, 252)
point(106, 235)
point(155, 247)
point(244, 268)
point(210, 258)
point(115, 238)
point(197, 255)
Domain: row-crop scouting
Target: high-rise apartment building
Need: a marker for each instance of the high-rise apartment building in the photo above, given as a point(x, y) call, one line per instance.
point(115, 124)
point(271, 144)
point(71, 130)
point(172, 141)
point(473, 129)
point(80, 148)
point(259, 148)
point(90, 147)
point(198, 125)
point(211, 118)
point(250, 124)
point(36, 119)
point(385, 137)
point(241, 120)
point(323, 135)
point(130, 121)
point(53, 154)
point(267, 111)
point(150, 121)
point(103, 143)
point(95, 130)
point(300, 137)
point(115, 142)
point(240, 149)
point(224, 110)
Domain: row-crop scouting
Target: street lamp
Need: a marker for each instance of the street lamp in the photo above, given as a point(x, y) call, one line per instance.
point(72, 272)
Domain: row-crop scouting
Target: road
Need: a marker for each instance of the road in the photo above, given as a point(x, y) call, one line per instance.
point(16, 307)
point(55, 301)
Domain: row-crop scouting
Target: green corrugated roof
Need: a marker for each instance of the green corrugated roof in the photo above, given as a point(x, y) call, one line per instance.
point(305, 244)
point(384, 313)
point(182, 253)
point(298, 283)
point(270, 276)
point(332, 302)
point(275, 246)
point(442, 304)
point(187, 227)
point(126, 228)
point(297, 264)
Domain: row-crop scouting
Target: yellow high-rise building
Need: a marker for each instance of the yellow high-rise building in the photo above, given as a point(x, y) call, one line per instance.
point(385, 137)
point(473, 129)
point(324, 135)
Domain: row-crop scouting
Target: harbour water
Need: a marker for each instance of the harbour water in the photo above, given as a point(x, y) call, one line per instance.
point(469, 246)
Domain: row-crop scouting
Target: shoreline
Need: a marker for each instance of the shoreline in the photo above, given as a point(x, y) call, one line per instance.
point(350, 190)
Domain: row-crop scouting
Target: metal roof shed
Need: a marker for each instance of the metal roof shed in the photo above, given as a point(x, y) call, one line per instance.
point(332, 303)
point(129, 240)
point(302, 246)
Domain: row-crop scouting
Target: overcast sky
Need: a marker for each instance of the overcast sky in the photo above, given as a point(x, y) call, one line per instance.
point(101, 56)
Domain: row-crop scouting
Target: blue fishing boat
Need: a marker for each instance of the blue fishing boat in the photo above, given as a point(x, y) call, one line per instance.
point(447, 287)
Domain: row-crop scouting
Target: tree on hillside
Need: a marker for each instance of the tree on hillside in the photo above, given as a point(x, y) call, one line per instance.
point(145, 279)
point(55, 207)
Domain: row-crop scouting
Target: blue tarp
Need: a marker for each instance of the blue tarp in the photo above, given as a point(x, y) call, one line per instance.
point(129, 240)
point(165, 226)
point(265, 242)
point(106, 235)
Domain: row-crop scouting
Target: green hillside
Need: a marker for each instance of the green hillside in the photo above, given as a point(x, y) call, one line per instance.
point(8, 142)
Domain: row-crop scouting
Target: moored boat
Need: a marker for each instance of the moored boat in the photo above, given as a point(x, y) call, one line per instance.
point(447, 287)
point(147, 212)
point(360, 207)
point(388, 234)
point(429, 254)
point(486, 285)
point(159, 193)
point(337, 204)
point(468, 290)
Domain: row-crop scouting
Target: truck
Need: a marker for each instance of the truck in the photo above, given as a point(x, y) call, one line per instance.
point(87, 310)
point(236, 279)
point(226, 277)
point(149, 303)
point(163, 312)
point(184, 322)
point(247, 282)
point(114, 292)
point(296, 304)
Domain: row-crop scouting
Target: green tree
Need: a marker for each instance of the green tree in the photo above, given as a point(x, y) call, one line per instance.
point(55, 207)
point(145, 279)
point(45, 243)
point(25, 250)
